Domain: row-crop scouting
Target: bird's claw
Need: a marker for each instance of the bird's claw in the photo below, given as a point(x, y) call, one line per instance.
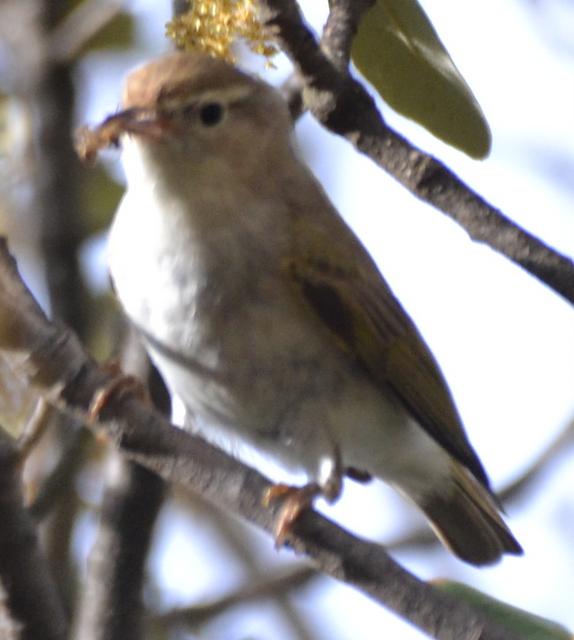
point(118, 387)
point(295, 500)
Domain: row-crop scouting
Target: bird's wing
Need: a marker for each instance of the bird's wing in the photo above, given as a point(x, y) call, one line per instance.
point(357, 307)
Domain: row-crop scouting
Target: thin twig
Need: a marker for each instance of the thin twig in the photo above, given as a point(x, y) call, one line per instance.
point(341, 28)
point(236, 539)
point(513, 490)
point(260, 589)
point(35, 428)
point(343, 106)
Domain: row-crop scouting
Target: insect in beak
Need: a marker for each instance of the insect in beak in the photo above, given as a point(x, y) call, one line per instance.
point(141, 121)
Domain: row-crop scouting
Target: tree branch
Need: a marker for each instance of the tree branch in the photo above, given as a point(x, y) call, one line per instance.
point(111, 605)
point(32, 602)
point(342, 105)
point(53, 359)
point(56, 180)
point(341, 28)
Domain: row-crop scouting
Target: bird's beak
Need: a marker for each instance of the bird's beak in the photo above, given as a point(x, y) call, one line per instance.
point(141, 121)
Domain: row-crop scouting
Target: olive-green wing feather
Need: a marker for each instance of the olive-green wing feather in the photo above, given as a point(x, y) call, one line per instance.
point(358, 308)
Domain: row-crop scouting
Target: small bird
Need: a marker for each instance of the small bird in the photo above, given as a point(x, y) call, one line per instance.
point(266, 315)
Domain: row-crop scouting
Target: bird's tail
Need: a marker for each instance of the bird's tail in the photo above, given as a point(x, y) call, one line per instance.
point(468, 521)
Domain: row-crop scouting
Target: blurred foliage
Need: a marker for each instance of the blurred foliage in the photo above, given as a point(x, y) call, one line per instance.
point(17, 401)
point(399, 52)
point(526, 624)
point(102, 195)
point(117, 34)
point(92, 25)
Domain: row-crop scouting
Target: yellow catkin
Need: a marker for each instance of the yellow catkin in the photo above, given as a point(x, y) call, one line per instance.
point(213, 26)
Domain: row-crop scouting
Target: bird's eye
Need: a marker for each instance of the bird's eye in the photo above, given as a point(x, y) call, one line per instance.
point(211, 114)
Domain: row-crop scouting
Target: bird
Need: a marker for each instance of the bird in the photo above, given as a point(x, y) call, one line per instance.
point(265, 314)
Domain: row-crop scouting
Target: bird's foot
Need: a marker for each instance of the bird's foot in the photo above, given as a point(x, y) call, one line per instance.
point(295, 500)
point(118, 387)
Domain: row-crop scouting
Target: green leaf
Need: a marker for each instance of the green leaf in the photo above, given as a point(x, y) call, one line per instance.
point(101, 195)
point(525, 624)
point(400, 54)
point(118, 33)
point(89, 26)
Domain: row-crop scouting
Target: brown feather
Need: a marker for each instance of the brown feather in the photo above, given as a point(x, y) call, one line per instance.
point(468, 523)
point(367, 321)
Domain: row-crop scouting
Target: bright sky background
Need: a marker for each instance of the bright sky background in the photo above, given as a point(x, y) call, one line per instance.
point(505, 342)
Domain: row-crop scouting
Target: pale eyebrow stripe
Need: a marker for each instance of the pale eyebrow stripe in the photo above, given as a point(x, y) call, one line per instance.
point(226, 96)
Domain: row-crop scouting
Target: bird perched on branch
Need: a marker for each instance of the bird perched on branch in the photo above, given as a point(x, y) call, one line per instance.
point(264, 312)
